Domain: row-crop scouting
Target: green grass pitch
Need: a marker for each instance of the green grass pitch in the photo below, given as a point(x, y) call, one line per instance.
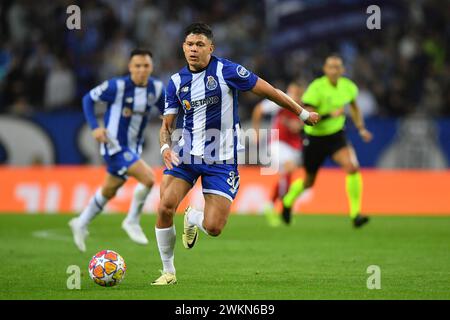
point(318, 257)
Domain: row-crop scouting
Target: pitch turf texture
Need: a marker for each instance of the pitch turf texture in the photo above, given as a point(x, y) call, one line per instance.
point(319, 257)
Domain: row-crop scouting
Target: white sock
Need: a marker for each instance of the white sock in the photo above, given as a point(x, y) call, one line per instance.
point(195, 218)
point(94, 207)
point(140, 194)
point(166, 244)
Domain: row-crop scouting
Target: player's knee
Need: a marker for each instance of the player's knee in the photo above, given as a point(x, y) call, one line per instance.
point(166, 210)
point(352, 169)
point(309, 181)
point(213, 229)
point(149, 182)
point(308, 184)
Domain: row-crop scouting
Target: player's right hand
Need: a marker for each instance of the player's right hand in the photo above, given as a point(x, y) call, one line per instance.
point(365, 134)
point(170, 158)
point(313, 118)
point(100, 134)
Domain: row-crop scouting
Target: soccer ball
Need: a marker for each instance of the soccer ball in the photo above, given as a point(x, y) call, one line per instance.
point(107, 268)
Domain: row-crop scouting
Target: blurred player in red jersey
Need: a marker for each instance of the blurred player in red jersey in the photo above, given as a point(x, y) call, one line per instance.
point(287, 150)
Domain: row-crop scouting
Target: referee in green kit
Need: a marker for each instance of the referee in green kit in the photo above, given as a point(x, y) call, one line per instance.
point(328, 95)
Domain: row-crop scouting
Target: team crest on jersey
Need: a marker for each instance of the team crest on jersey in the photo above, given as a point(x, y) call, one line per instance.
point(233, 181)
point(127, 112)
point(242, 72)
point(187, 104)
point(129, 100)
point(211, 84)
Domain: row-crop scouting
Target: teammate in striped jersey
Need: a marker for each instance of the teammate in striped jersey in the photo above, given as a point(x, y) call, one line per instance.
point(129, 101)
point(205, 92)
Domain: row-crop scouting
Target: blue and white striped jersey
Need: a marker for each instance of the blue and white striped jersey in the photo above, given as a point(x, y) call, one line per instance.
point(210, 103)
point(128, 109)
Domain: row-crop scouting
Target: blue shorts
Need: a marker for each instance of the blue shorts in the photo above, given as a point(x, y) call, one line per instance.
point(218, 178)
point(118, 163)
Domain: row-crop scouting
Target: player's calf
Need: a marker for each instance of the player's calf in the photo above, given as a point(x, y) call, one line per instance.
point(217, 209)
point(109, 192)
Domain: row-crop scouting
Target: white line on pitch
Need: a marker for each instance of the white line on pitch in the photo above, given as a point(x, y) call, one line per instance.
point(51, 234)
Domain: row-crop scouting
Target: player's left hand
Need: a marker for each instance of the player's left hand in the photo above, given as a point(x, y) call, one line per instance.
point(170, 158)
point(365, 134)
point(313, 118)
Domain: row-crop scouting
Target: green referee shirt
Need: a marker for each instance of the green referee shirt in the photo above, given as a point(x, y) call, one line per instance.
point(327, 98)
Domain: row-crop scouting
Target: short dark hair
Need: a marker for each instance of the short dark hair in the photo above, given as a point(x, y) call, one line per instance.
point(141, 52)
point(335, 55)
point(199, 28)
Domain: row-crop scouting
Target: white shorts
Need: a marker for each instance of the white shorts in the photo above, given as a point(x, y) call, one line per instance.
point(282, 152)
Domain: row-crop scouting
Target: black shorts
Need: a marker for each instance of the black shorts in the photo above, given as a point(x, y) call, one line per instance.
point(317, 148)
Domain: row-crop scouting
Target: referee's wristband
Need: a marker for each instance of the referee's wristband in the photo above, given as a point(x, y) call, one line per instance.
point(164, 147)
point(304, 115)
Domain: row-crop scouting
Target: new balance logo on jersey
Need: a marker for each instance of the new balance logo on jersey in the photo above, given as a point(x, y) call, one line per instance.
point(185, 89)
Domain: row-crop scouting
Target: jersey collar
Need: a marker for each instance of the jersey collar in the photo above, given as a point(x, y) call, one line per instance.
point(134, 84)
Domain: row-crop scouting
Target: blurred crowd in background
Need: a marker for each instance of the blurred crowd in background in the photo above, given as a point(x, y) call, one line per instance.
point(46, 67)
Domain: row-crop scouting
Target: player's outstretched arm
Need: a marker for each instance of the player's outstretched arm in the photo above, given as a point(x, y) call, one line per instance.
point(264, 89)
point(165, 140)
point(358, 120)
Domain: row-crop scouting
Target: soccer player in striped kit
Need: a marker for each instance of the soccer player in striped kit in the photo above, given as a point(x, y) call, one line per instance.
point(205, 92)
point(129, 101)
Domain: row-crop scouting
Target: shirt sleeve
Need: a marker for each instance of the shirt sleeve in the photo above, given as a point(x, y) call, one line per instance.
point(237, 76)
point(354, 90)
point(105, 92)
point(89, 112)
point(311, 96)
point(172, 103)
